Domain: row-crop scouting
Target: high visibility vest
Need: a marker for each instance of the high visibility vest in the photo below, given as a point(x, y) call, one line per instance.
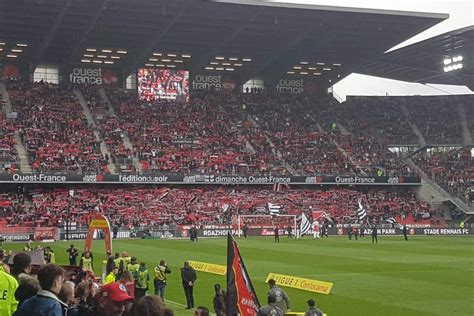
point(110, 278)
point(117, 262)
point(160, 274)
point(52, 257)
point(87, 263)
point(133, 268)
point(8, 286)
point(126, 262)
point(142, 280)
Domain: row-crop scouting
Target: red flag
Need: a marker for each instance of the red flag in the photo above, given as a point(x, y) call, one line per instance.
point(241, 297)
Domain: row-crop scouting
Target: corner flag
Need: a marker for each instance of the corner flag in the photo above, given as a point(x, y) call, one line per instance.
point(241, 297)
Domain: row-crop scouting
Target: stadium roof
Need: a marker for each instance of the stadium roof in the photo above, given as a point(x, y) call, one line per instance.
point(424, 61)
point(273, 37)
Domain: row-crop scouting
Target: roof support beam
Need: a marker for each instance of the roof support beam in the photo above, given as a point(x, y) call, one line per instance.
point(51, 34)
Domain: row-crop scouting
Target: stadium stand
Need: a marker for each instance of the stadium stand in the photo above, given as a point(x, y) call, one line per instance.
point(452, 170)
point(54, 130)
point(436, 117)
point(198, 137)
point(154, 206)
point(376, 116)
point(8, 153)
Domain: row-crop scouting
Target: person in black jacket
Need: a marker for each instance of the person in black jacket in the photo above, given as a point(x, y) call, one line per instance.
point(219, 301)
point(188, 277)
point(73, 254)
point(245, 230)
point(277, 234)
point(374, 234)
point(405, 230)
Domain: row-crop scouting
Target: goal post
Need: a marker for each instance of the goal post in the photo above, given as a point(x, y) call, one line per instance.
point(241, 219)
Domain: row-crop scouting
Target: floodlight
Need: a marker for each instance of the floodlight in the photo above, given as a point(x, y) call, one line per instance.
point(447, 61)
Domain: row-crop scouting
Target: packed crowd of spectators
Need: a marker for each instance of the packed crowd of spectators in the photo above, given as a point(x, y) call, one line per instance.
point(8, 154)
point(437, 117)
point(110, 130)
point(295, 130)
point(452, 170)
point(156, 206)
point(197, 137)
point(53, 129)
point(224, 133)
point(379, 117)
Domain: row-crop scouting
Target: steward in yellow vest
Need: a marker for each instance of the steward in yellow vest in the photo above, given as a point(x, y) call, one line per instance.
point(143, 277)
point(8, 286)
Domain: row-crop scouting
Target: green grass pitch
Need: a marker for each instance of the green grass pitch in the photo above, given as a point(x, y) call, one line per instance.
point(424, 276)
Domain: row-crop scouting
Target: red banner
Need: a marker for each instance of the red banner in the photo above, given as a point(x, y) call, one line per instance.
point(241, 297)
point(42, 233)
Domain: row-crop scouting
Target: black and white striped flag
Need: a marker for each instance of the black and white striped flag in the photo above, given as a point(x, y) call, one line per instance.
point(305, 225)
point(393, 221)
point(274, 208)
point(361, 212)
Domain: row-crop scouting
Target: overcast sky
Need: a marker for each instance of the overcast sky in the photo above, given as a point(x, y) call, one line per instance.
point(460, 15)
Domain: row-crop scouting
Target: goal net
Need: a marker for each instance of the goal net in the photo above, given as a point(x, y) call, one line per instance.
point(267, 223)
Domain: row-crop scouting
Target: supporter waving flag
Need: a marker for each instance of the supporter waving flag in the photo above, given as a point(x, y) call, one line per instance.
point(394, 222)
point(274, 208)
point(305, 224)
point(241, 297)
point(361, 212)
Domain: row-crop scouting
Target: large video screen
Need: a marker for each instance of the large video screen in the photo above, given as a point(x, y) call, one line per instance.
point(156, 84)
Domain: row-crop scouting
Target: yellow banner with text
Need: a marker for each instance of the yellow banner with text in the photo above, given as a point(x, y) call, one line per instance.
point(301, 283)
point(208, 267)
point(97, 223)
